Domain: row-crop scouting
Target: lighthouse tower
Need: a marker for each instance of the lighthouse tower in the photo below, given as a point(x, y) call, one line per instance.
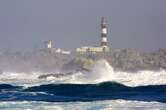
point(104, 40)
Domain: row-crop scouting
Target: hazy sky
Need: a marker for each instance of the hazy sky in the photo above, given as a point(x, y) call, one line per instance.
point(26, 24)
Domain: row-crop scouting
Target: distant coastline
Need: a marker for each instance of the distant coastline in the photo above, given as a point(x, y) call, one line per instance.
point(44, 61)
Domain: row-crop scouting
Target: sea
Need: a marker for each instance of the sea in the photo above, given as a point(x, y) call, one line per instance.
point(100, 88)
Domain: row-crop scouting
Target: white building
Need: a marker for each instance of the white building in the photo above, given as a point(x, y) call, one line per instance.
point(56, 50)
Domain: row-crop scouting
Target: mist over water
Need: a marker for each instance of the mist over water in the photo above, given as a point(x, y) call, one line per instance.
point(101, 71)
point(101, 87)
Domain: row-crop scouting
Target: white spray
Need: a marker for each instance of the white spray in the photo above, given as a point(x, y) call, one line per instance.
point(100, 72)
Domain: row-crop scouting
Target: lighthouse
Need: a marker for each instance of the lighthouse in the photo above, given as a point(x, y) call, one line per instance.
point(104, 32)
point(103, 47)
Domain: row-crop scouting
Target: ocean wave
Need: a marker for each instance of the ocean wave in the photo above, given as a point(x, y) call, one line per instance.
point(100, 72)
point(83, 92)
point(95, 105)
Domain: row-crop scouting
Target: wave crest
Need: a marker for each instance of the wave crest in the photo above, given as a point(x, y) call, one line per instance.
point(100, 72)
point(84, 92)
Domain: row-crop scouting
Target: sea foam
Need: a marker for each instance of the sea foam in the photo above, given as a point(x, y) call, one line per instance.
point(100, 72)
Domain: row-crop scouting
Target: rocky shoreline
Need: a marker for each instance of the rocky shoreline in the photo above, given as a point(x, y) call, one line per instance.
point(132, 60)
point(44, 61)
point(128, 60)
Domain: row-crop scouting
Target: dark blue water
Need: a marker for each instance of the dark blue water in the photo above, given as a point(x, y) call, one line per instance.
point(82, 92)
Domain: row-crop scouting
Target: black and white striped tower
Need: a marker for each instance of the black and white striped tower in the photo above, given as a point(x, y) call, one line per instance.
point(104, 40)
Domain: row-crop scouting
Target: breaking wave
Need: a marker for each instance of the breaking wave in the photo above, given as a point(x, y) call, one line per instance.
point(100, 72)
point(101, 82)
